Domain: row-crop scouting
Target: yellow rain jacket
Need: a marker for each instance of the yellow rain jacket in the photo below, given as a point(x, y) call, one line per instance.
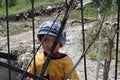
point(57, 69)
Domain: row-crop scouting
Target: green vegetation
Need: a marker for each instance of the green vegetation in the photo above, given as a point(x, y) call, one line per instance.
point(92, 56)
point(14, 30)
point(12, 3)
point(93, 51)
point(16, 6)
point(1, 48)
point(91, 10)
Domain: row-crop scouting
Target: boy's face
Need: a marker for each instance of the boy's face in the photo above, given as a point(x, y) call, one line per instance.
point(48, 42)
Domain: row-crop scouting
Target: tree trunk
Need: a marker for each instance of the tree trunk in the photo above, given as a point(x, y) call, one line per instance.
point(111, 36)
point(108, 59)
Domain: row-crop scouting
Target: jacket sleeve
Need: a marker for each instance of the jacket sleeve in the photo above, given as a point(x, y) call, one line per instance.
point(68, 67)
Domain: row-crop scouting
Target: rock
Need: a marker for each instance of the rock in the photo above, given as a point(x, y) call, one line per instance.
point(23, 60)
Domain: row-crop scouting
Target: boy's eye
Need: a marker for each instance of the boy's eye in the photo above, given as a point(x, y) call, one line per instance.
point(46, 40)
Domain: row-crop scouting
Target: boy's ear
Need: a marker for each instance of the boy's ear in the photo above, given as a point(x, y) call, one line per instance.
point(39, 37)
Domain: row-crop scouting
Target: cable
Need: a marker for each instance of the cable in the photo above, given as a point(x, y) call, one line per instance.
point(83, 35)
point(117, 40)
point(33, 28)
point(8, 40)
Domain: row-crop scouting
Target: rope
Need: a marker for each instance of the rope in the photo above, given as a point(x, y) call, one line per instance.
point(117, 41)
point(32, 2)
point(46, 63)
point(8, 40)
point(83, 38)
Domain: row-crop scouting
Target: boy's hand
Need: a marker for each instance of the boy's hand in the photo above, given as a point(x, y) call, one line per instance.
point(28, 78)
point(53, 78)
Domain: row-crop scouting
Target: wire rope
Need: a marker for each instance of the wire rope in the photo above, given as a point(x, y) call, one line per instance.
point(8, 39)
point(117, 40)
point(33, 30)
point(83, 38)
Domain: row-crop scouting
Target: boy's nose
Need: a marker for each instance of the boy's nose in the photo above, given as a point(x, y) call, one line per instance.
point(49, 44)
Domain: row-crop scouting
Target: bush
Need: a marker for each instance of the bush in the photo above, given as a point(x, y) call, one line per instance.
point(106, 2)
point(93, 55)
point(12, 3)
point(0, 3)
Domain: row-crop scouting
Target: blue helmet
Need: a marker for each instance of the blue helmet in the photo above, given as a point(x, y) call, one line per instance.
point(53, 31)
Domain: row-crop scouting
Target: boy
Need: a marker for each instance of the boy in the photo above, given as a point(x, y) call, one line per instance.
point(60, 64)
